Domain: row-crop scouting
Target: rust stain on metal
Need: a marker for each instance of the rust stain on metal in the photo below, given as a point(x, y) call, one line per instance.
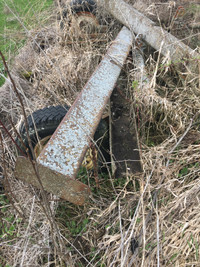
point(52, 181)
point(66, 148)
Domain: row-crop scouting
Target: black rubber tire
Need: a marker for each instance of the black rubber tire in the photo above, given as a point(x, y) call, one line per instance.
point(78, 6)
point(46, 121)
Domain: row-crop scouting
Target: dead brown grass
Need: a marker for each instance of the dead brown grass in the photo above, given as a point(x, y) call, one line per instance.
point(143, 219)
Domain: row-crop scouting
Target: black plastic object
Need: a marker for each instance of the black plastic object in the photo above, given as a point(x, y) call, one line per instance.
point(1, 181)
point(134, 245)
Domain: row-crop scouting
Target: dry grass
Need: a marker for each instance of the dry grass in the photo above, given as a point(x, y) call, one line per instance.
point(143, 219)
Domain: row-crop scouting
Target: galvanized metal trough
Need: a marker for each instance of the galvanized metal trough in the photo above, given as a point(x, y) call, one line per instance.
point(60, 160)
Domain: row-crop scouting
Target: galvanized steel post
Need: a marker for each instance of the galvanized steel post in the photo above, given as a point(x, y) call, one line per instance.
point(60, 160)
point(66, 148)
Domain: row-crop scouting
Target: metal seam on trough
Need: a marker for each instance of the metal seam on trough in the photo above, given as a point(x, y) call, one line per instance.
point(65, 150)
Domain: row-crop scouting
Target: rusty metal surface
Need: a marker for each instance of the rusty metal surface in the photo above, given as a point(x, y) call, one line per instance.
point(53, 182)
point(66, 148)
point(125, 149)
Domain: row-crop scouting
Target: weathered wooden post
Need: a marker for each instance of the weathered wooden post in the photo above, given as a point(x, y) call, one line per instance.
point(154, 35)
